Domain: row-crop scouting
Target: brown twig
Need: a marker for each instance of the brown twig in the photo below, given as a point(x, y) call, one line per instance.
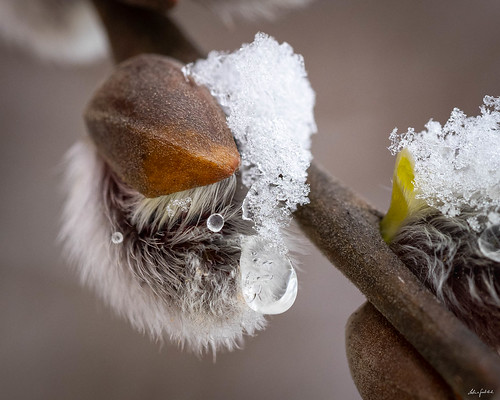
point(343, 227)
point(135, 30)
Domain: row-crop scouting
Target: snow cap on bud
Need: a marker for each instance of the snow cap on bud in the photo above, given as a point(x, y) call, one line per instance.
point(457, 165)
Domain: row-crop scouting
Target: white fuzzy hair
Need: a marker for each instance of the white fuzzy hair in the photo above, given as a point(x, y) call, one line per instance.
point(444, 253)
point(251, 9)
point(170, 276)
point(63, 31)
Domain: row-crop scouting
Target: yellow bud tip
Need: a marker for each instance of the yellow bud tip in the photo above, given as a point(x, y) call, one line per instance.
point(403, 200)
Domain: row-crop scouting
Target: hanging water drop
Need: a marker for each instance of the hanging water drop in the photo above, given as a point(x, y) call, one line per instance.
point(489, 242)
point(117, 237)
point(215, 222)
point(268, 279)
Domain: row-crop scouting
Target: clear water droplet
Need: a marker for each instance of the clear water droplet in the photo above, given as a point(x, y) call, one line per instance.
point(117, 237)
point(269, 281)
point(215, 222)
point(489, 242)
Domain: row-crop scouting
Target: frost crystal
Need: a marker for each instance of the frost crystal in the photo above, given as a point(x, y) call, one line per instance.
point(264, 91)
point(182, 204)
point(457, 165)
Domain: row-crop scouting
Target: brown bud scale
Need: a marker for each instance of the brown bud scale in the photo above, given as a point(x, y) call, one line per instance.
point(159, 131)
point(384, 366)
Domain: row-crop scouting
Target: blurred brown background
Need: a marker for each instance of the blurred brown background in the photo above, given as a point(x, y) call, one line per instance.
point(374, 65)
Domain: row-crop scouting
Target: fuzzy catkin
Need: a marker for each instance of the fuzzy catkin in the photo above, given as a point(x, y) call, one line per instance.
point(171, 276)
point(444, 254)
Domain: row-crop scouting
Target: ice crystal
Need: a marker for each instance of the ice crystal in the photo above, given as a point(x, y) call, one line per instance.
point(176, 204)
point(457, 165)
point(264, 91)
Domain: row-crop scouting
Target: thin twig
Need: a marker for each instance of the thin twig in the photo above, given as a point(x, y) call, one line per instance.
point(134, 30)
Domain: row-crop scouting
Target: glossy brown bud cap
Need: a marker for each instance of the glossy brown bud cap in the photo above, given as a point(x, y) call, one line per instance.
point(159, 131)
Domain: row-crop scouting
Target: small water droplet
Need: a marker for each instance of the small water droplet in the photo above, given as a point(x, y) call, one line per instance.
point(489, 242)
point(269, 282)
point(215, 222)
point(117, 237)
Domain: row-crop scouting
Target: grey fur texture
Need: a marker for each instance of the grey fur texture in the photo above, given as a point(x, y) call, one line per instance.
point(171, 276)
point(444, 253)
